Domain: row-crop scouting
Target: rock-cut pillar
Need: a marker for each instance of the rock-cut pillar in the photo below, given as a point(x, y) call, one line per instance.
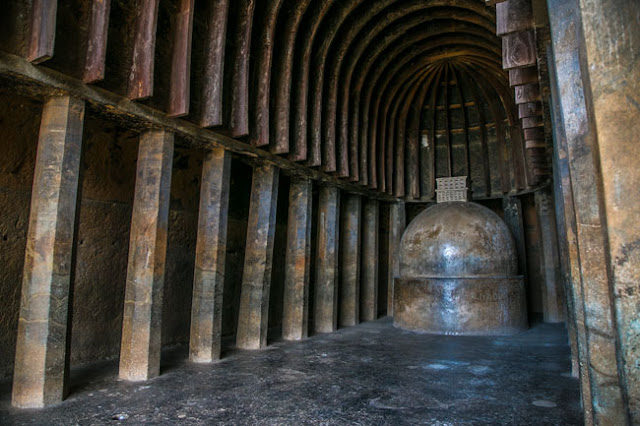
point(142, 319)
point(258, 259)
point(397, 224)
point(350, 253)
point(41, 364)
point(369, 275)
point(297, 261)
point(211, 247)
point(612, 43)
point(608, 405)
point(553, 303)
point(325, 318)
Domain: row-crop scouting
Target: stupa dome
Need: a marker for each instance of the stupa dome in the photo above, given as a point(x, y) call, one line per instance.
point(459, 274)
point(458, 240)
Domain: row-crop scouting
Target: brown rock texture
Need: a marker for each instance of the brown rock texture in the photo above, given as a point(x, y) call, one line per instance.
point(350, 243)
point(298, 263)
point(42, 358)
point(326, 265)
point(258, 260)
point(142, 317)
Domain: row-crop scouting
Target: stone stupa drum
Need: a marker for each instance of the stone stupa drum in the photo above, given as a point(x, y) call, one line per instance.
point(458, 274)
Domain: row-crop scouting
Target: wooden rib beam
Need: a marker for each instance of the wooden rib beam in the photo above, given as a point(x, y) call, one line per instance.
point(408, 123)
point(465, 121)
point(371, 48)
point(415, 100)
point(43, 30)
point(180, 80)
point(31, 80)
point(94, 62)
point(389, 77)
point(430, 175)
point(353, 46)
point(211, 113)
point(282, 83)
point(262, 53)
point(140, 84)
point(483, 134)
point(302, 150)
point(447, 128)
point(237, 71)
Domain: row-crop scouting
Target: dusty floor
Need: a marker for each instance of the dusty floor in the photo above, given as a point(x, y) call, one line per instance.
point(372, 374)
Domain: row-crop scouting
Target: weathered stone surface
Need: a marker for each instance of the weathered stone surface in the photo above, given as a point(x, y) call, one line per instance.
point(571, 68)
point(553, 298)
point(512, 209)
point(467, 306)
point(258, 259)
point(349, 313)
point(142, 318)
point(211, 247)
point(42, 358)
point(369, 275)
point(397, 224)
point(457, 239)
point(18, 146)
point(519, 50)
point(565, 223)
point(581, 356)
point(328, 240)
point(298, 262)
point(612, 44)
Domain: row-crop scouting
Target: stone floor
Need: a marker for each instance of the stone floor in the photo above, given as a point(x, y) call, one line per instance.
point(372, 374)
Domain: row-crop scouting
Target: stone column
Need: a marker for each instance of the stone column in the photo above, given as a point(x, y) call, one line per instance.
point(513, 217)
point(608, 402)
point(612, 43)
point(563, 249)
point(211, 247)
point(350, 259)
point(142, 319)
point(297, 261)
point(563, 176)
point(369, 282)
point(42, 358)
point(397, 225)
point(258, 259)
point(553, 298)
point(326, 285)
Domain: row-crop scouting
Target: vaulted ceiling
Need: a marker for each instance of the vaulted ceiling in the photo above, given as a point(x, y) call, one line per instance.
point(337, 85)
